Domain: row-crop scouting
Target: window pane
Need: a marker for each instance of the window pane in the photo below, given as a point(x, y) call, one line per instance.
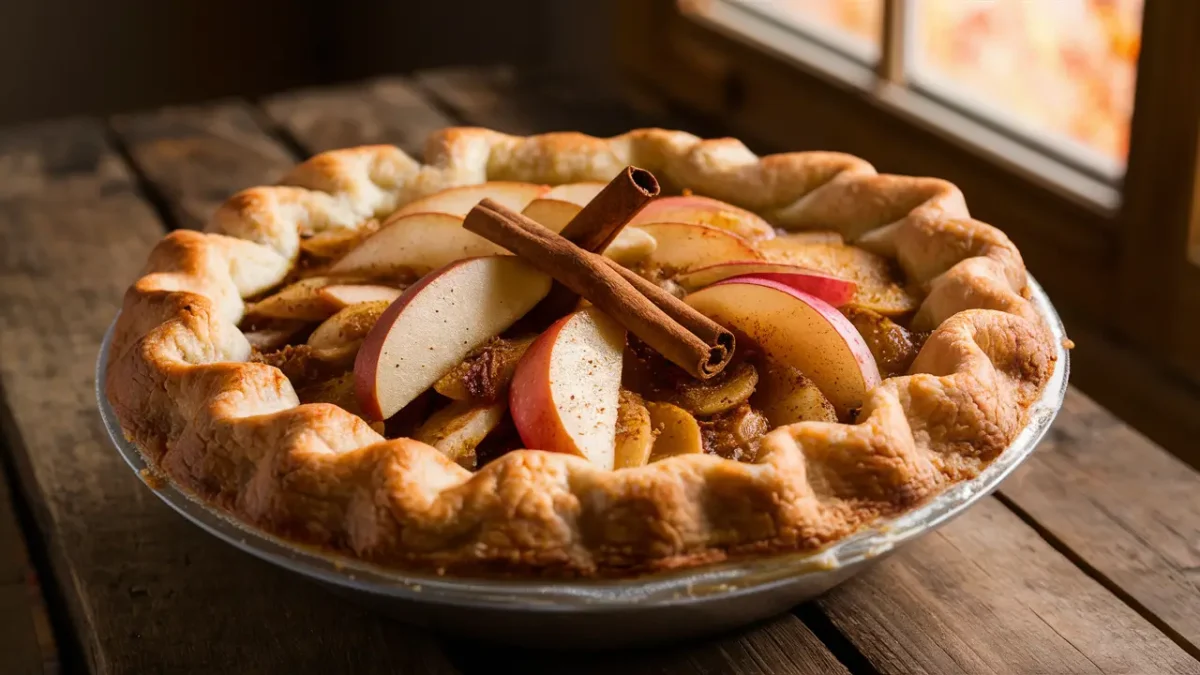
point(1064, 68)
point(854, 25)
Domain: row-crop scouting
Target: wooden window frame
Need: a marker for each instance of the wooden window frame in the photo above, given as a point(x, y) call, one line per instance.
point(1113, 254)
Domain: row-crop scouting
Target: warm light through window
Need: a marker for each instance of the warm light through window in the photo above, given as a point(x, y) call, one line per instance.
point(1061, 68)
point(1065, 66)
point(857, 18)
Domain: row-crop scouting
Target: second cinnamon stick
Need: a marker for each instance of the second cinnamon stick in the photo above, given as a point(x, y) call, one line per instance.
point(598, 224)
point(703, 353)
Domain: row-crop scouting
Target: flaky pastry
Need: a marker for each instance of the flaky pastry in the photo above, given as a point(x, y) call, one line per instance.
point(233, 432)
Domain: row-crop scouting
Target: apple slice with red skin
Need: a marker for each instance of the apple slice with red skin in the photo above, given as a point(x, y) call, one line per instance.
point(565, 393)
point(414, 243)
point(699, 210)
point(797, 329)
point(831, 289)
point(458, 201)
point(436, 323)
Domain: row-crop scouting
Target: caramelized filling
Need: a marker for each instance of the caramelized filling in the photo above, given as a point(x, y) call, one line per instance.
point(734, 434)
point(893, 346)
point(485, 375)
point(662, 412)
point(304, 366)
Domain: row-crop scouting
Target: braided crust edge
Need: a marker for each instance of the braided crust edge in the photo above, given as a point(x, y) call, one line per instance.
point(234, 433)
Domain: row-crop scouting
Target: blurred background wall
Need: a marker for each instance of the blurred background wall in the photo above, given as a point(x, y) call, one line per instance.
point(67, 57)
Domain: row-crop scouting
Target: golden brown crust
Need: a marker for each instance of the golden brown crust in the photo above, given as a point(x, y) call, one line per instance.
point(235, 433)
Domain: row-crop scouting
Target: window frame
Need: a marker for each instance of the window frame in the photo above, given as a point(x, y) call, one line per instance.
point(1113, 254)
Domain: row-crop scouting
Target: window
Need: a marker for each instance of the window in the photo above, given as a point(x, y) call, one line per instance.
point(1062, 68)
point(851, 25)
point(1073, 125)
point(1059, 75)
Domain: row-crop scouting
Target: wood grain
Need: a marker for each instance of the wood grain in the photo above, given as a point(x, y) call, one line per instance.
point(146, 590)
point(985, 594)
point(25, 640)
point(502, 99)
point(1121, 507)
point(387, 110)
point(196, 157)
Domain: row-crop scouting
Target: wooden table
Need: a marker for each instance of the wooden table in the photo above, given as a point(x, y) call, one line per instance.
point(1087, 561)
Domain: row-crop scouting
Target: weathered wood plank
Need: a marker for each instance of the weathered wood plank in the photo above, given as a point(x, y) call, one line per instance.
point(781, 646)
point(147, 591)
point(196, 157)
point(1122, 507)
point(387, 110)
point(501, 98)
point(25, 640)
point(986, 594)
point(784, 646)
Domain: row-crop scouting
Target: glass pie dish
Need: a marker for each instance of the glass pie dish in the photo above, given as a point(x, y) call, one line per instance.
point(609, 613)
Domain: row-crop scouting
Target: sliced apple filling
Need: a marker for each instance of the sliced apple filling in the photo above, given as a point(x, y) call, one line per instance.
point(448, 361)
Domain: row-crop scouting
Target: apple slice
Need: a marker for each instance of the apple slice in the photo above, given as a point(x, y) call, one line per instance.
point(436, 323)
point(630, 246)
point(682, 247)
point(699, 210)
point(336, 390)
point(805, 237)
point(348, 326)
point(723, 393)
point(786, 396)
point(831, 289)
point(459, 427)
point(342, 296)
point(458, 201)
point(272, 334)
point(676, 431)
point(565, 392)
point(334, 243)
point(795, 329)
point(301, 301)
point(635, 437)
point(552, 214)
point(576, 193)
point(877, 289)
point(414, 243)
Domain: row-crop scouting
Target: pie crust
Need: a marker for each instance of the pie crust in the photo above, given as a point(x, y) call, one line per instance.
point(234, 434)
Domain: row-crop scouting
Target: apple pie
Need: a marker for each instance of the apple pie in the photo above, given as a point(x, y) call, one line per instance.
point(437, 366)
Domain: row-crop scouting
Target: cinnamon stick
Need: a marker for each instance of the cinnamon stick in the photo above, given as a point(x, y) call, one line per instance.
point(701, 326)
point(602, 219)
point(595, 227)
point(703, 352)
